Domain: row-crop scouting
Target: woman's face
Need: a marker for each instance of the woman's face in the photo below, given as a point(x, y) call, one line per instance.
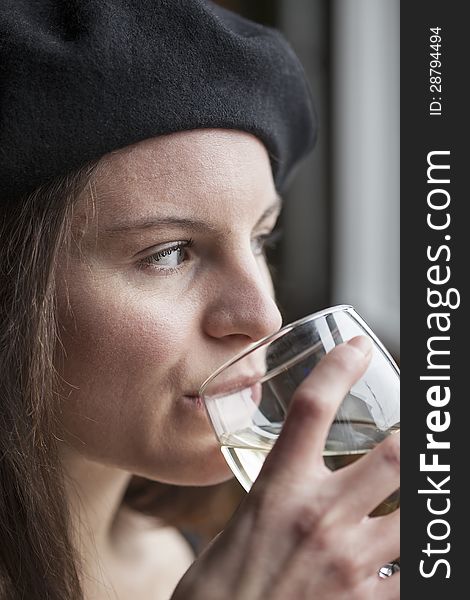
point(165, 281)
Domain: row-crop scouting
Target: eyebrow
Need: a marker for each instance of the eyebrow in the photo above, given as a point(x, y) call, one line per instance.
point(197, 224)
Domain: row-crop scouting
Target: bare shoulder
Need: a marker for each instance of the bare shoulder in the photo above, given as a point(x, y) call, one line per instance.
point(155, 556)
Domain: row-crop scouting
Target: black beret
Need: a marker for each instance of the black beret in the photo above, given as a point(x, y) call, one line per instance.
point(80, 78)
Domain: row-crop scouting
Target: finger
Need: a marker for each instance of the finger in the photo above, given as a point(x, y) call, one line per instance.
point(370, 480)
point(352, 552)
point(382, 541)
point(300, 445)
point(351, 557)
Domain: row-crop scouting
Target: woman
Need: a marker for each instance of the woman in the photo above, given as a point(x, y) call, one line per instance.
point(143, 150)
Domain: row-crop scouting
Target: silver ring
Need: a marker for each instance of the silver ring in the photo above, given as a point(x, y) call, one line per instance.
point(388, 570)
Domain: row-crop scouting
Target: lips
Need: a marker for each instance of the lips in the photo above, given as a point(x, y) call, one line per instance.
point(194, 399)
point(232, 386)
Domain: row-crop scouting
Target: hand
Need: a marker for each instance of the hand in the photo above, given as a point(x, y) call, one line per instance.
point(303, 531)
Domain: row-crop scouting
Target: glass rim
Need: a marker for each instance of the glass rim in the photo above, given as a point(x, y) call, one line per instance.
point(272, 337)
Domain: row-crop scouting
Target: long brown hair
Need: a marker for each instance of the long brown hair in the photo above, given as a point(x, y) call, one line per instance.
point(36, 555)
point(37, 558)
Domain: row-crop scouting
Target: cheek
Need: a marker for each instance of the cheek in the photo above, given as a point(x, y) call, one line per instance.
point(115, 328)
point(121, 350)
point(125, 361)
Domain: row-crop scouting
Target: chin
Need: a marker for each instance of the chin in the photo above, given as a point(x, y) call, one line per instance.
point(209, 472)
point(197, 469)
point(206, 477)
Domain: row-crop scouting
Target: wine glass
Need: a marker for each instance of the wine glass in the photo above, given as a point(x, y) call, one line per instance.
point(247, 398)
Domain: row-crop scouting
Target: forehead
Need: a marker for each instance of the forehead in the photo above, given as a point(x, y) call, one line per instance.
point(216, 174)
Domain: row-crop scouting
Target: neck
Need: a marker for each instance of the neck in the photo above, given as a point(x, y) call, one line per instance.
point(94, 493)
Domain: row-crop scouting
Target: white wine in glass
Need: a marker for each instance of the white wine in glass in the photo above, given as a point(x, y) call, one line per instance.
point(246, 450)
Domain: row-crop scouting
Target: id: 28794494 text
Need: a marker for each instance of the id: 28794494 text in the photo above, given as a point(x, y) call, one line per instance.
point(435, 71)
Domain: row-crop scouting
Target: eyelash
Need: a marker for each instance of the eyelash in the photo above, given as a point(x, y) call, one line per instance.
point(153, 259)
point(266, 240)
point(269, 240)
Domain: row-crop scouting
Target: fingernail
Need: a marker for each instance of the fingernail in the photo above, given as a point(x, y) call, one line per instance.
point(362, 343)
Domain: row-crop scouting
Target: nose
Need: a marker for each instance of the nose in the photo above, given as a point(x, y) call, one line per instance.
point(242, 305)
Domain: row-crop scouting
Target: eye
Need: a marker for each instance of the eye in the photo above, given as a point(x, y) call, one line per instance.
point(265, 241)
point(168, 258)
